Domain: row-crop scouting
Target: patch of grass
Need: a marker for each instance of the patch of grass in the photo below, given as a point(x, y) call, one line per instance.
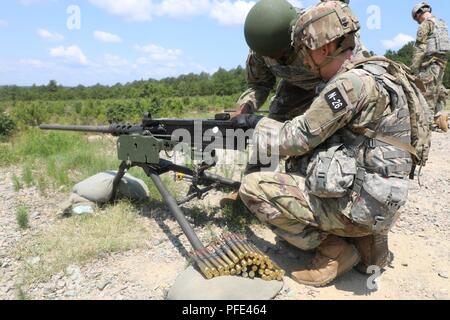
point(237, 217)
point(43, 185)
point(22, 213)
point(81, 239)
point(27, 175)
point(447, 107)
point(20, 293)
point(54, 159)
point(16, 183)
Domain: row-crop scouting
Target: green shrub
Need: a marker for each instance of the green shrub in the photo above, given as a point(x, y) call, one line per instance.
point(7, 125)
point(22, 216)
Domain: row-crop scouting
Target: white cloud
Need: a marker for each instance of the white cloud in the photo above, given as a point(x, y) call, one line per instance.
point(158, 53)
point(3, 23)
point(72, 54)
point(131, 10)
point(230, 13)
point(226, 12)
point(54, 36)
point(399, 41)
point(107, 37)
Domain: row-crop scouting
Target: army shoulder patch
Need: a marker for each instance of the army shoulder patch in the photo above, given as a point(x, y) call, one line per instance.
point(335, 100)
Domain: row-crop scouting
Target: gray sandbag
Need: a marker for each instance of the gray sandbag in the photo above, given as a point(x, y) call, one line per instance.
point(191, 285)
point(98, 188)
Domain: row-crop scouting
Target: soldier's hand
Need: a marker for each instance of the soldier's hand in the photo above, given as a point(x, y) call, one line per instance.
point(246, 120)
point(243, 109)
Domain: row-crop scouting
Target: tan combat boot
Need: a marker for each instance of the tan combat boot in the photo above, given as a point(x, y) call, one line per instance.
point(229, 199)
point(442, 122)
point(374, 251)
point(334, 257)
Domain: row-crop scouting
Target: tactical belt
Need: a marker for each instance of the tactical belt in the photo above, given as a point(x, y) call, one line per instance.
point(393, 141)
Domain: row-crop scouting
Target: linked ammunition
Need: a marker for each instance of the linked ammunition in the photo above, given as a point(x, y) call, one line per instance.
point(243, 243)
point(225, 257)
point(204, 258)
point(203, 268)
point(235, 249)
point(216, 264)
point(240, 246)
point(216, 257)
point(229, 252)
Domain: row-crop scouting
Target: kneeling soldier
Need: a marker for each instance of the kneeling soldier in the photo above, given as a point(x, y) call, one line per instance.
point(356, 135)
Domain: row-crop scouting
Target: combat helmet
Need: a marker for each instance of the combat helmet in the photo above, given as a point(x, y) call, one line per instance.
point(324, 23)
point(268, 27)
point(420, 8)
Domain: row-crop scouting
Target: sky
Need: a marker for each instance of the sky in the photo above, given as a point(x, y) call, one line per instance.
point(110, 41)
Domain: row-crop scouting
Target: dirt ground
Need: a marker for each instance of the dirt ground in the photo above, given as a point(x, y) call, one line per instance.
point(420, 242)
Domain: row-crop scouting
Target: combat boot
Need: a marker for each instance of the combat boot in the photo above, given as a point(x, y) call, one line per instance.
point(442, 122)
point(334, 257)
point(374, 251)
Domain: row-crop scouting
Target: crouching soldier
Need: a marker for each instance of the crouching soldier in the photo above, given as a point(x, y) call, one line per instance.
point(360, 145)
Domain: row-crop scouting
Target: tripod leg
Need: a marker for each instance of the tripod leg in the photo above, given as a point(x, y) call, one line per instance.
point(122, 168)
point(175, 209)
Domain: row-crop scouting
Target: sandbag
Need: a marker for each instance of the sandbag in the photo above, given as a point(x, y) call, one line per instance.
point(191, 285)
point(98, 188)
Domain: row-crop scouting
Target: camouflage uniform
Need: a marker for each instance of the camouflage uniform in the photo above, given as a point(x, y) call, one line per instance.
point(296, 90)
point(430, 67)
point(355, 98)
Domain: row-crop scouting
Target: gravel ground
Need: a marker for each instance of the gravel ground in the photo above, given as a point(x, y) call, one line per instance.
point(420, 241)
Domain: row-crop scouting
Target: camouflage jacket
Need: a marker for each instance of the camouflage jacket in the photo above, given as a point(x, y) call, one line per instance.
point(354, 100)
point(262, 74)
point(420, 56)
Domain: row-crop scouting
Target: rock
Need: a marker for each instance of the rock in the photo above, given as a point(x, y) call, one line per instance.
point(443, 275)
point(34, 260)
point(102, 284)
point(70, 293)
point(404, 264)
point(74, 272)
point(60, 284)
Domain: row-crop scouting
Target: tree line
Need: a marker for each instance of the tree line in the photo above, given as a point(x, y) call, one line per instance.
point(221, 83)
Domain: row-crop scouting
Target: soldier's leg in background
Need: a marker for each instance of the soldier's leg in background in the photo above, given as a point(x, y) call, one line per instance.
point(440, 89)
point(277, 199)
point(290, 101)
point(429, 75)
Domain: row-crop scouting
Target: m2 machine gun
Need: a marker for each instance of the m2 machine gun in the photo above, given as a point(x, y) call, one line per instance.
point(140, 145)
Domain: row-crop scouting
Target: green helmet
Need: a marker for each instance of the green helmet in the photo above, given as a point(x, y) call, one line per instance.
point(420, 7)
point(268, 26)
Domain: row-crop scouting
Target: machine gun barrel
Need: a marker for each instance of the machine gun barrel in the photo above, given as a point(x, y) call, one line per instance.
point(114, 129)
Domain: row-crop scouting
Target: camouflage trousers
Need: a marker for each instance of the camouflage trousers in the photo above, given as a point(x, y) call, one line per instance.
point(280, 201)
point(290, 101)
point(432, 75)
